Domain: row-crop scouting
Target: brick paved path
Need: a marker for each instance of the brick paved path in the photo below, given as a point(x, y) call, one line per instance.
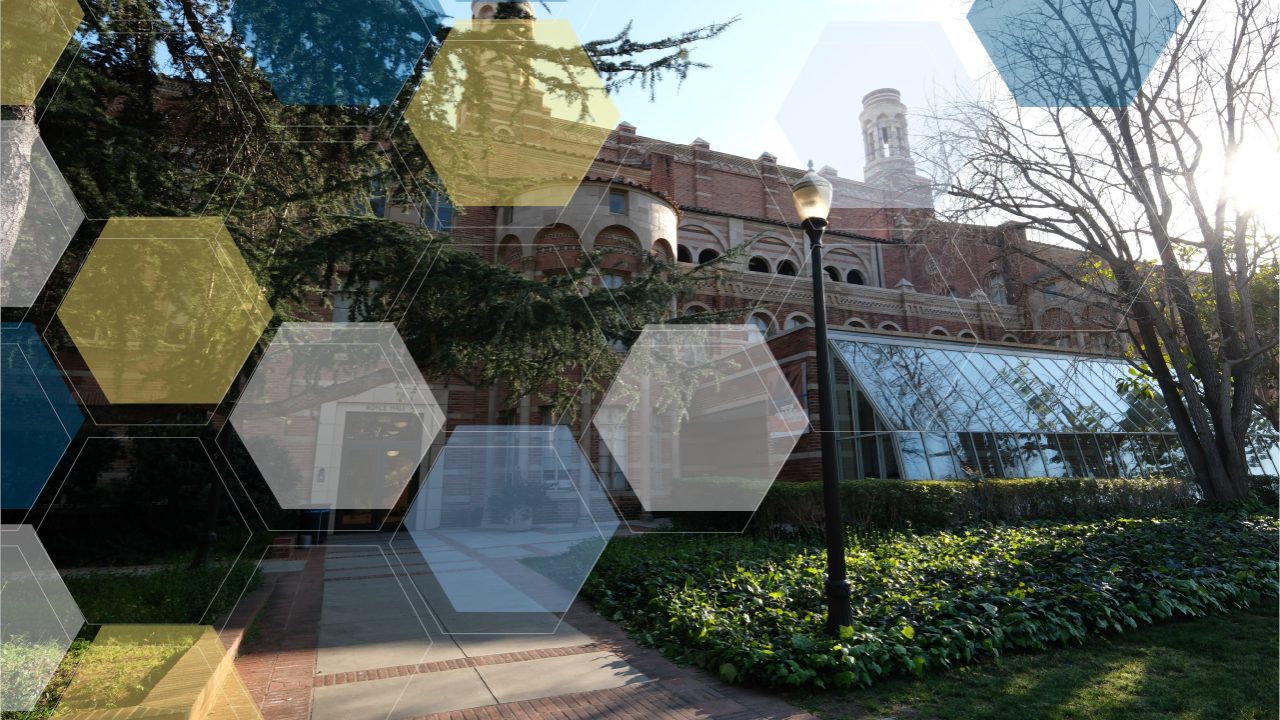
point(278, 664)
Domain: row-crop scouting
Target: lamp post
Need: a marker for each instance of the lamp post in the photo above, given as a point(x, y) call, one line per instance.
point(812, 196)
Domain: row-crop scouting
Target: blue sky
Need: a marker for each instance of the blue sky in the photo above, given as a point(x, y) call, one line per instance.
point(757, 63)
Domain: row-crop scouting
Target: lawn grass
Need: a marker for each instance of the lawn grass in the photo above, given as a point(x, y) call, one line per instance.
point(1220, 666)
point(162, 596)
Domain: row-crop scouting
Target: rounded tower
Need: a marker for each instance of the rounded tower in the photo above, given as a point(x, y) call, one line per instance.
point(884, 137)
point(486, 10)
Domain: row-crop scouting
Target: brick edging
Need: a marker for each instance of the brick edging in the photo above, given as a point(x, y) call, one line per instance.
point(446, 665)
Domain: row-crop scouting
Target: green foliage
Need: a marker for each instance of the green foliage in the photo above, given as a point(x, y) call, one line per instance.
point(173, 595)
point(897, 504)
point(753, 609)
point(26, 665)
point(1216, 667)
point(571, 567)
point(62, 677)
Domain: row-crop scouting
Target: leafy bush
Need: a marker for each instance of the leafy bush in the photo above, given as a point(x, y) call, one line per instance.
point(897, 504)
point(48, 699)
point(28, 666)
point(752, 609)
point(168, 595)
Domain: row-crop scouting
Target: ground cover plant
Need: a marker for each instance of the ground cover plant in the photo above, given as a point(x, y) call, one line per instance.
point(1222, 666)
point(751, 609)
point(171, 595)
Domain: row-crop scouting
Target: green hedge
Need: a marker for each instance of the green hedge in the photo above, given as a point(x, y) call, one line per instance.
point(897, 504)
point(752, 609)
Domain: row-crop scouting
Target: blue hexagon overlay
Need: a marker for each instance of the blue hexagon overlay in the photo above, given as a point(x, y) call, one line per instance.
point(510, 520)
point(1074, 53)
point(38, 416)
point(335, 52)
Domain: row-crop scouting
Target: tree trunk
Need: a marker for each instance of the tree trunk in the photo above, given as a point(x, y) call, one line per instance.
point(15, 177)
point(209, 526)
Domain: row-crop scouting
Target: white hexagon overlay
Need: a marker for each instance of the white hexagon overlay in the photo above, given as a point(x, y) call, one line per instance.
point(511, 520)
point(48, 221)
point(700, 418)
point(337, 416)
point(38, 618)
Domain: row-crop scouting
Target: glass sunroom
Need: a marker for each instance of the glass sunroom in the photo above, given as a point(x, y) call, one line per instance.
point(918, 409)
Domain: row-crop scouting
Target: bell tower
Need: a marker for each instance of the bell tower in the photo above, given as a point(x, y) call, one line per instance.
point(884, 137)
point(486, 10)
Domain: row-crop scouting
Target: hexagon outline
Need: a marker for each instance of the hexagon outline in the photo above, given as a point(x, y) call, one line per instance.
point(775, 391)
point(96, 301)
point(406, 375)
point(227, 494)
point(453, 153)
point(551, 434)
point(50, 390)
point(48, 196)
point(896, 187)
point(24, 539)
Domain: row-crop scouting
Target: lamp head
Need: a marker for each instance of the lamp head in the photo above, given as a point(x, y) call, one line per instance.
point(812, 195)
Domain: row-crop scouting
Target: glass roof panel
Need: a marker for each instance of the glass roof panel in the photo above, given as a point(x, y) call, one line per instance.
point(1033, 384)
point(1136, 414)
point(919, 385)
point(1079, 410)
point(959, 402)
point(991, 399)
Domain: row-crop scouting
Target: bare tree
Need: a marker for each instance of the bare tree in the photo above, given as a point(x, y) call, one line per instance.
point(1143, 193)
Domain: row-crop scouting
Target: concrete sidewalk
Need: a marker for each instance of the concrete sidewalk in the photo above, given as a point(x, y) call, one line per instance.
point(389, 646)
point(385, 644)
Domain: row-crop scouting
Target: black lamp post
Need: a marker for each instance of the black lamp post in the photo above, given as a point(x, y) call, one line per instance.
point(812, 196)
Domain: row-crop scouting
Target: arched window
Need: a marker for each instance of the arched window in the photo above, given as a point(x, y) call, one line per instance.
point(1009, 338)
point(833, 273)
point(856, 323)
point(967, 335)
point(707, 256)
point(855, 278)
point(786, 268)
point(951, 293)
point(796, 321)
point(694, 310)
point(996, 291)
point(611, 281)
point(891, 327)
point(761, 327)
point(940, 331)
point(682, 254)
point(758, 264)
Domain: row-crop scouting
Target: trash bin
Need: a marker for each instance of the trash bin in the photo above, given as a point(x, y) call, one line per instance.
point(314, 525)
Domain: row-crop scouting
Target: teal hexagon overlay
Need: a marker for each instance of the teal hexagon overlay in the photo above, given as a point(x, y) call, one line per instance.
point(1074, 53)
point(332, 52)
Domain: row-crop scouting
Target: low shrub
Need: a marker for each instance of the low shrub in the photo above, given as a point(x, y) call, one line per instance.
point(752, 609)
point(168, 595)
point(898, 504)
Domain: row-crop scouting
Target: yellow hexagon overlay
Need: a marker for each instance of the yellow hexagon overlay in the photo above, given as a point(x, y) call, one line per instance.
point(165, 310)
point(33, 34)
point(508, 106)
